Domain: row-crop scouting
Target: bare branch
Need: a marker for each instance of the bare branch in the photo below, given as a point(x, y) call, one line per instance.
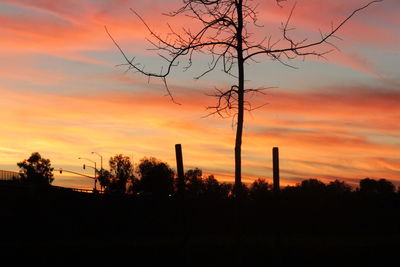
point(297, 47)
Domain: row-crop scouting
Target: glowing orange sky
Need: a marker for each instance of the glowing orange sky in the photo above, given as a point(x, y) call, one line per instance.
point(62, 94)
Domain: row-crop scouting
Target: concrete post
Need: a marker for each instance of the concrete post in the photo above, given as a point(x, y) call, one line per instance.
point(179, 167)
point(275, 163)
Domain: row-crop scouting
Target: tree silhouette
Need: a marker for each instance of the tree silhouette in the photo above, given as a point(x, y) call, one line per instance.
point(385, 186)
point(104, 177)
point(259, 189)
point(225, 190)
point(226, 34)
point(338, 187)
point(121, 169)
point(156, 177)
point(213, 189)
point(372, 186)
point(194, 183)
point(312, 186)
point(36, 170)
point(207, 188)
point(368, 185)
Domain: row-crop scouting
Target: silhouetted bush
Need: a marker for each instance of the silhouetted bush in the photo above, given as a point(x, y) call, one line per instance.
point(291, 190)
point(194, 184)
point(312, 186)
point(371, 186)
point(385, 186)
point(156, 177)
point(338, 187)
point(260, 189)
point(242, 192)
point(216, 190)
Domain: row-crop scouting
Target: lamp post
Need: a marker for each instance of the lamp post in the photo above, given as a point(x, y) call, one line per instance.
point(101, 159)
point(95, 170)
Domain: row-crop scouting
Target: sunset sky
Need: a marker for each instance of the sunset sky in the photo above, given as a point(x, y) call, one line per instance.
point(63, 94)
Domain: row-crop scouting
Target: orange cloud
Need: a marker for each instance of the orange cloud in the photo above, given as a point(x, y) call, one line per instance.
point(321, 141)
point(335, 131)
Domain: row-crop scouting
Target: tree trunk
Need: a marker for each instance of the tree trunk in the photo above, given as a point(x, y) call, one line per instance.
point(240, 89)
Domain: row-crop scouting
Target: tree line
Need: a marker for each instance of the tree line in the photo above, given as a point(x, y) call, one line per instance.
point(154, 178)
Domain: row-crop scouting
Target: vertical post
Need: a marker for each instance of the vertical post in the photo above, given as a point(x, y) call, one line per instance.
point(275, 163)
point(95, 177)
point(179, 167)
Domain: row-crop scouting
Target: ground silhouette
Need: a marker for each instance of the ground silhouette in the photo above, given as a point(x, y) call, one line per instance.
point(297, 228)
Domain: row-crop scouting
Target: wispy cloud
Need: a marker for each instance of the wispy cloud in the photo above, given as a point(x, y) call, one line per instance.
point(61, 94)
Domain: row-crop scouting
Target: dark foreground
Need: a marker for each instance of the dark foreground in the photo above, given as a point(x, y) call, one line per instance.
point(54, 228)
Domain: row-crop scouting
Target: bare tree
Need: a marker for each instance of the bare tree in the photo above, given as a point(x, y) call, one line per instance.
point(226, 36)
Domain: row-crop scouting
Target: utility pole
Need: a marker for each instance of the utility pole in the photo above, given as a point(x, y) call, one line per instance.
point(95, 171)
point(275, 163)
point(179, 167)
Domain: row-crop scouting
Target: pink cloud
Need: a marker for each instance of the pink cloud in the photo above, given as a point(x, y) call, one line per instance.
point(313, 128)
point(110, 119)
point(310, 17)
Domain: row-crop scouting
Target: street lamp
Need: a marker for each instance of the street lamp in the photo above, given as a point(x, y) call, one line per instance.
point(95, 170)
point(101, 159)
